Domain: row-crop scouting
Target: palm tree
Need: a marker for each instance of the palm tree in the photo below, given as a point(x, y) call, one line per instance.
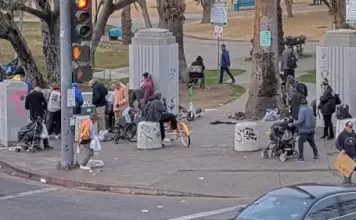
point(337, 9)
point(206, 4)
point(173, 14)
point(264, 87)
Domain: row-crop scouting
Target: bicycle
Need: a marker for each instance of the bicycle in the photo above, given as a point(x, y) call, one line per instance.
point(124, 130)
point(182, 133)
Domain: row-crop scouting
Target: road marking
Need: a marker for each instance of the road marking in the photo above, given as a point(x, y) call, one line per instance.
point(32, 192)
point(205, 214)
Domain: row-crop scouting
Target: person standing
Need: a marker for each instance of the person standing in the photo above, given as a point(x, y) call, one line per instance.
point(54, 112)
point(121, 100)
point(225, 64)
point(99, 100)
point(36, 103)
point(327, 106)
point(86, 135)
point(306, 129)
point(147, 86)
point(78, 99)
point(299, 94)
point(289, 61)
point(19, 74)
point(346, 143)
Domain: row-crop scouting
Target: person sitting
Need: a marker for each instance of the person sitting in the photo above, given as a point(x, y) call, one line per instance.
point(147, 87)
point(156, 111)
point(136, 99)
point(196, 70)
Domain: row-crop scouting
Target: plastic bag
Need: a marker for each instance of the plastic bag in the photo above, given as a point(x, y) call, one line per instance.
point(271, 115)
point(102, 135)
point(95, 144)
point(44, 132)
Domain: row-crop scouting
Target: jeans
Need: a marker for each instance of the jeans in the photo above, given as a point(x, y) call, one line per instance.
point(88, 153)
point(167, 117)
point(289, 72)
point(100, 111)
point(54, 122)
point(304, 137)
point(222, 70)
point(328, 129)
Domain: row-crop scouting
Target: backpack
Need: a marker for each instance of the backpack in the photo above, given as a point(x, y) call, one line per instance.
point(337, 99)
point(292, 61)
point(343, 112)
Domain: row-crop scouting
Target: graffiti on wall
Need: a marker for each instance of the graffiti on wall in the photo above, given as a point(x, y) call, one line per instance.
point(247, 133)
point(18, 99)
point(264, 60)
point(323, 66)
point(172, 73)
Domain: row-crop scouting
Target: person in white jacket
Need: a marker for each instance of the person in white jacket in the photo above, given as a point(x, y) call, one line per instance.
point(54, 111)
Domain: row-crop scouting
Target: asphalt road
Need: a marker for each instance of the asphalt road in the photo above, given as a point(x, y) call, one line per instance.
point(23, 199)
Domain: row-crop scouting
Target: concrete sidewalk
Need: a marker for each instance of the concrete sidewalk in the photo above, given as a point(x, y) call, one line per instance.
point(210, 167)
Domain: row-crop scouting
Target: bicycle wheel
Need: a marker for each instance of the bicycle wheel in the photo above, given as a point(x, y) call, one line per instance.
point(130, 132)
point(184, 133)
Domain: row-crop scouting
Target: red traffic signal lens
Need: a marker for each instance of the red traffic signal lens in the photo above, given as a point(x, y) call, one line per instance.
point(83, 4)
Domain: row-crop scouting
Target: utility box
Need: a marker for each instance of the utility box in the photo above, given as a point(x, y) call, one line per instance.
point(13, 114)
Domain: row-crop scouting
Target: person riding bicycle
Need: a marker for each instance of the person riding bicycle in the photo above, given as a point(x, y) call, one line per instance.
point(156, 111)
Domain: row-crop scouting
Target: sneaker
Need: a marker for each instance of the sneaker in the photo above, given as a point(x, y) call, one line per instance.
point(57, 137)
point(316, 157)
point(300, 160)
point(84, 167)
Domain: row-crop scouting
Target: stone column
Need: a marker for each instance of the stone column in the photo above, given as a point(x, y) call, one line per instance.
point(155, 51)
point(335, 60)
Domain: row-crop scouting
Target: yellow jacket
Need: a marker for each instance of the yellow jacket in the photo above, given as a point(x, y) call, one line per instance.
point(84, 131)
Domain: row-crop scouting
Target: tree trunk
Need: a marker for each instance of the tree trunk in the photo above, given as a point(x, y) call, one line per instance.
point(10, 32)
point(280, 28)
point(264, 87)
point(206, 12)
point(339, 14)
point(289, 5)
point(144, 12)
point(162, 22)
point(176, 27)
point(126, 25)
point(51, 50)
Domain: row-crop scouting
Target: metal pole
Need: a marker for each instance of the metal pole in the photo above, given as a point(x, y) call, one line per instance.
point(218, 59)
point(66, 82)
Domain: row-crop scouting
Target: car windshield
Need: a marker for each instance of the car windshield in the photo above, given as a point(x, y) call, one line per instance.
point(276, 207)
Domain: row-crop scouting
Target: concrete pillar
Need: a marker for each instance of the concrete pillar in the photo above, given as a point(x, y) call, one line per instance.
point(335, 60)
point(155, 51)
point(13, 114)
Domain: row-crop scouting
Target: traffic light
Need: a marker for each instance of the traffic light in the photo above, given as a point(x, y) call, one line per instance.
point(83, 74)
point(81, 16)
point(80, 53)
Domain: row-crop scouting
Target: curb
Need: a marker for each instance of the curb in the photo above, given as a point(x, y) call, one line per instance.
point(229, 40)
point(84, 185)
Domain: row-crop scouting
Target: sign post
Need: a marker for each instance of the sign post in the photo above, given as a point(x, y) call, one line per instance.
point(218, 17)
point(265, 39)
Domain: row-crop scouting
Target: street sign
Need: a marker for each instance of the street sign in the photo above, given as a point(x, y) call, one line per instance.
point(218, 15)
point(265, 39)
point(218, 32)
point(70, 98)
point(81, 53)
point(351, 11)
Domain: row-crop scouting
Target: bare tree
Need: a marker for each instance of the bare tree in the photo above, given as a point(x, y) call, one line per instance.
point(48, 13)
point(280, 28)
point(173, 11)
point(144, 12)
point(263, 92)
point(289, 6)
point(206, 4)
point(337, 9)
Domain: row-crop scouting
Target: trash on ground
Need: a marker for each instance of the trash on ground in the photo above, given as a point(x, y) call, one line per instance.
point(43, 180)
point(237, 116)
point(201, 178)
point(272, 115)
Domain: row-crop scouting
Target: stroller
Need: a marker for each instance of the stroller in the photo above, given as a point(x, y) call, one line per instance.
point(29, 137)
point(282, 141)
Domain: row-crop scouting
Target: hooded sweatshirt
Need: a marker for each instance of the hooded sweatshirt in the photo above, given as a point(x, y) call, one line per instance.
point(306, 121)
point(54, 101)
point(78, 98)
point(347, 141)
point(301, 93)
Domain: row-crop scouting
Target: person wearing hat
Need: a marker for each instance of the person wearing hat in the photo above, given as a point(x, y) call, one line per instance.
point(306, 129)
point(20, 75)
point(327, 106)
point(147, 87)
point(346, 143)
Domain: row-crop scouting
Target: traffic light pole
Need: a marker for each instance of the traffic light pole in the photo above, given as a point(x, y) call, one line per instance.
point(66, 82)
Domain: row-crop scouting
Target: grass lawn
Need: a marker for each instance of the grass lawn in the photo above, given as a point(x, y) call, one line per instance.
point(302, 57)
point(310, 24)
point(308, 77)
point(108, 55)
point(211, 77)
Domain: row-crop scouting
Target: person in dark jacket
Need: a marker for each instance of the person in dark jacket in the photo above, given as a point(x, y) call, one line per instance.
point(197, 70)
point(300, 93)
point(306, 129)
point(327, 106)
point(225, 64)
point(346, 143)
point(155, 110)
point(36, 103)
point(287, 54)
point(99, 100)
